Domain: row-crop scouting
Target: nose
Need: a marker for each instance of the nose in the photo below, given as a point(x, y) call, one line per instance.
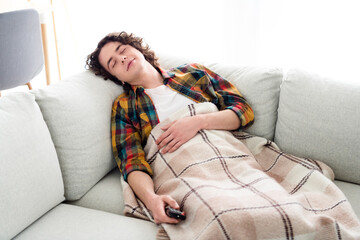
point(123, 58)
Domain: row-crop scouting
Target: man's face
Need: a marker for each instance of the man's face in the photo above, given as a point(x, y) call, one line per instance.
point(122, 61)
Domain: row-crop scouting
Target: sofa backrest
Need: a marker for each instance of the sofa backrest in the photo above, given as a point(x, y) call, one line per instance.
point(77, 111)
point(259, 85)
point(30, 176)
point(319, 118)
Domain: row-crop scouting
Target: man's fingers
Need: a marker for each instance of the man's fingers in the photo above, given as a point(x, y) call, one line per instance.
point(176, 146)
point(166, 132)
point(161, 141)
point(164, 128)
point(166, 141)
point(161, 216)
point(169, 146)
point(170, 201)
point(170, 220)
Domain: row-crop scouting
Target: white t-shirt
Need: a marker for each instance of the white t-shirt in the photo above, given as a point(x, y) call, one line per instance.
point(167, 101)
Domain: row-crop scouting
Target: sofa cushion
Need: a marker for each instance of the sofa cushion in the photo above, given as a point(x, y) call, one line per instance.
point(319, 119)
point(352, 193)
point(106, 195)
point(72, 222)
point(78, 111)
point(259, 85)
point(30, 177)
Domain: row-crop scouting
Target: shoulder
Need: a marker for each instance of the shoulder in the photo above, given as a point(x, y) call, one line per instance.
point(122, 101)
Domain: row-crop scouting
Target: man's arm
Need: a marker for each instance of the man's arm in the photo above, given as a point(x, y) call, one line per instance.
point(143, 186)
point(126, 140)
point(130, 158)
point(222, 120)
point(180, 131)
point(235, 113)
point(229, 97)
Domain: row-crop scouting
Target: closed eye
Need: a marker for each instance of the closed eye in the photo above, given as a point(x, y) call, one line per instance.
point(112, 62)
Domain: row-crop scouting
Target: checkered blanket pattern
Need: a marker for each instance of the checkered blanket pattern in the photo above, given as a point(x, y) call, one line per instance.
point(236, 186)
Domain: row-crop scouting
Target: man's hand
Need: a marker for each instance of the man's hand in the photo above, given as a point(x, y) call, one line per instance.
point(178, 132)
point(143, 186)
point(157, 207)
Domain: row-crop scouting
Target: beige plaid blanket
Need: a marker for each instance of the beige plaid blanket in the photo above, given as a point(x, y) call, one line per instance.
point(238, 186)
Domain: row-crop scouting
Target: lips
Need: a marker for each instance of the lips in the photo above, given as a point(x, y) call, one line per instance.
point(128, 66)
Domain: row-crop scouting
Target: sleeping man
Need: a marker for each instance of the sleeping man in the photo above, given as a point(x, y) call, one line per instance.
point(150, 95)
point(176, 140)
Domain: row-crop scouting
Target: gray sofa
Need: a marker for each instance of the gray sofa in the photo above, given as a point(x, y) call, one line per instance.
point(58, 178)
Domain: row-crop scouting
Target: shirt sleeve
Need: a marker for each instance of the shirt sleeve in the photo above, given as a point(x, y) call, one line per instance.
point(126, 141)
point(230, 98)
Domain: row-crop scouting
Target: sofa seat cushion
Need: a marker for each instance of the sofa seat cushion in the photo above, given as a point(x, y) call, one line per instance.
point(106, 195)
point(319, 118)
point(259, 85)
point(77, 111)
point(72, 222)
point(30, 177)
point(352, 193)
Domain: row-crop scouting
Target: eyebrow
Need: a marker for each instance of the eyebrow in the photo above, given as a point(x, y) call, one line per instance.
point(108, 62)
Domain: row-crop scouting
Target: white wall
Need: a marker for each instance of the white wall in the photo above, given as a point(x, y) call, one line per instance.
point(223, 31)
point(316, 35)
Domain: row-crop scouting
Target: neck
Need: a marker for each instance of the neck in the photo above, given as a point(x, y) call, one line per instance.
point(152, 78)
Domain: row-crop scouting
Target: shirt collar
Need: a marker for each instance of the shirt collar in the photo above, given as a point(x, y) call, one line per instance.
point(166, 75)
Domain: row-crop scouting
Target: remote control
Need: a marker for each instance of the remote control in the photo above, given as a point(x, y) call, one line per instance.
point(173, 213)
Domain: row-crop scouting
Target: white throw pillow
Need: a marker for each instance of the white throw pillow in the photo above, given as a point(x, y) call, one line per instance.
point(78, 113)
point(259, 85)
point(319, 119)
point(30, 177)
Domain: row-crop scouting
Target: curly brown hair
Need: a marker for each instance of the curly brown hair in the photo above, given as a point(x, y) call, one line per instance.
point(92, 61)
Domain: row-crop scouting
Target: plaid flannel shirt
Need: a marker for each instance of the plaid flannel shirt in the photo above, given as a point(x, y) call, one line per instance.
point(134, 114)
